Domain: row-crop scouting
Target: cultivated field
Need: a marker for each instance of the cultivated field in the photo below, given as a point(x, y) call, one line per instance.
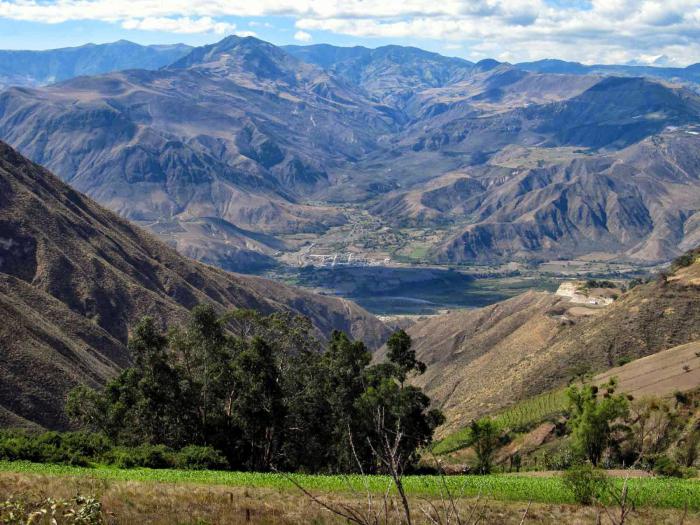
point(647, 492)
point(128, 502)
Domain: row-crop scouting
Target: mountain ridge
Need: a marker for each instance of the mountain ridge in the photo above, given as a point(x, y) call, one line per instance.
point(27, 68)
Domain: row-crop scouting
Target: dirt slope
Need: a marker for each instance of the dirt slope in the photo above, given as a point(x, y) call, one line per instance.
point(659, 374)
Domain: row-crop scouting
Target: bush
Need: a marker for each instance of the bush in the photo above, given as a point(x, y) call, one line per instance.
point(81, 448)
point(665, 466)
point(560, 460)
point(623, 361)
point(592, 283)
point(120, 458)
point(684, 260)
point(78, 511)
point(586, 483)
point(42, 448)
point(87, 444)
point(143, 456)
point(200, 458)
point(71, 448)
point(486, 439)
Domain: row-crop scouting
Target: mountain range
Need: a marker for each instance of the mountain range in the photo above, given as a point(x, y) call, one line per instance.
point(38, 68)
point(689, 74)
point(74, 278)
point(235, 148)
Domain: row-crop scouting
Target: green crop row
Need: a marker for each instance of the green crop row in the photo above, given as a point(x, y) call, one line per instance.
point(651, 492)
point(526, 413)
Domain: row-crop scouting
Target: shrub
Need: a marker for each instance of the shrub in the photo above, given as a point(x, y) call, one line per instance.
point(72, 448)
point(486, 439)
point(623, 361)
point(560, 460)
point(592, 283)
point(592, 418)
point(684, 260)
point(200, 458)
point(665, 466)
point(120, 458)
point(146, 456)
point(153, 456)
point(87, 444)
point(586, 483)
point(681, 398)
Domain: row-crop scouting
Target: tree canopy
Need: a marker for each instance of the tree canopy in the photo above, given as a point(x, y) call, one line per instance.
point(266, 394)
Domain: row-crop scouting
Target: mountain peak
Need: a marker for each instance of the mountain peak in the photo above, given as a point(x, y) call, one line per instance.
point(487, 64)
point(243, 46)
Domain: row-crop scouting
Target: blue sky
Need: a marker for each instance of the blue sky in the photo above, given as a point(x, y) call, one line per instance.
point(661, 32)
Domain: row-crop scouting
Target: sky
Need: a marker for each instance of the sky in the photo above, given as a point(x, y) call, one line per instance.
point(654, 32)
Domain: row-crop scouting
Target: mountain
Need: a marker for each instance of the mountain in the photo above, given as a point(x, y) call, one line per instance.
point(545, 191)
point(238, 131)
point(640, 203)
point(75, 277)
point(689, 74)
point(241, 150)
point(389, 73)
point(482, 360)
point(38, 68)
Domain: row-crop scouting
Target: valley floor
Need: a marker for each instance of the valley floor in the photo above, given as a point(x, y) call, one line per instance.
point(189, 497)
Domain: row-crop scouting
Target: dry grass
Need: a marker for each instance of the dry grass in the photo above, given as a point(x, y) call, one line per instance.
point(160, 503)
point(675, 369)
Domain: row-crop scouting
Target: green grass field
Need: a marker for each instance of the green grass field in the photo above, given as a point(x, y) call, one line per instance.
point(650, 492)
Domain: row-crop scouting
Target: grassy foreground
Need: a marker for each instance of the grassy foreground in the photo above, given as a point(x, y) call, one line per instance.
point(646, 492)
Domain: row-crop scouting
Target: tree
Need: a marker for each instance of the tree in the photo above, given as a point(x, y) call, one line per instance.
point(592, 418)
point(652, 426)
point(387, 408)
point(202, 352)
point(403, 356)
point(143, 404)
point(485, 437)
point(344, 364)
point(689, 447)
point(257, 406)
point(261, 390)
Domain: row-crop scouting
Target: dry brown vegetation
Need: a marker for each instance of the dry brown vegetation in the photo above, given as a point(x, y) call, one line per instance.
point(157, 503)
point(675, 369)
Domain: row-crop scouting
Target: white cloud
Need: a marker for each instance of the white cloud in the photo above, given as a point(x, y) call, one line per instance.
point(257, 23)
point(587, 31)
point(302, 36)
point(184, 24)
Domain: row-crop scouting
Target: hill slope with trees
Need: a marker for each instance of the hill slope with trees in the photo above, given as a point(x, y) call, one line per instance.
point(74, 277)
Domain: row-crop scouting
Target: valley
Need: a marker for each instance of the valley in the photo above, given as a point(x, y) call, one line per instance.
point(393, 156)
point(390, 270)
